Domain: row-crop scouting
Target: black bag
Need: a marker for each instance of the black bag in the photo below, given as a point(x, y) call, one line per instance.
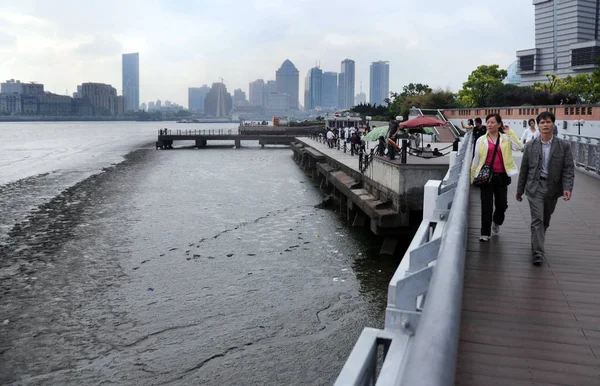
point(485, 174)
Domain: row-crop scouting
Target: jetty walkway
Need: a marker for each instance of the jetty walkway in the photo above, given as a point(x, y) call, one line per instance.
point(166, 137)
point(470, 313)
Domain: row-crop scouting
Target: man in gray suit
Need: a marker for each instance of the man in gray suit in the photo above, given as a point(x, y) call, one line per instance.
point(547, 173)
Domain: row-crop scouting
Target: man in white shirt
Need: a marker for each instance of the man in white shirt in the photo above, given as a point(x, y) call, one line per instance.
point(330, 138)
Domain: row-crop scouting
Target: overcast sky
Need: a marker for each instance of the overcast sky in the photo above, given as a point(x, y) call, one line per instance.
point(186, 43)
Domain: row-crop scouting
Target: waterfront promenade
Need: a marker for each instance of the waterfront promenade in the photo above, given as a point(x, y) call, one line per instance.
point(527, 325)
point(489, 316)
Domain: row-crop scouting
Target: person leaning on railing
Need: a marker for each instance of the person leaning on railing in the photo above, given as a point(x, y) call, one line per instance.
point(494, 149)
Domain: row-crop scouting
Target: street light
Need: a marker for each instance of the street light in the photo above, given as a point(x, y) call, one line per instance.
point(579, 123)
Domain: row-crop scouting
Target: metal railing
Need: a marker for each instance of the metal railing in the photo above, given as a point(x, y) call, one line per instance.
point(422, 322)
point(366, 156)
point(586, 152)
point(457, 132)
point(439, 114)
point(196, 132)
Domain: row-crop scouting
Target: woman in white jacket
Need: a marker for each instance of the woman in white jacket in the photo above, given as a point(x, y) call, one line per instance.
point(501, 140)
point(530, 133)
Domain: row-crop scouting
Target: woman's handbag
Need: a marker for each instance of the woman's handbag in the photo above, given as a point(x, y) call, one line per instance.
point(485, 174)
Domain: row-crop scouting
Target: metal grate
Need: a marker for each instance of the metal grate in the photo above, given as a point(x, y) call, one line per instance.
point(526, 63)
point(584, 56)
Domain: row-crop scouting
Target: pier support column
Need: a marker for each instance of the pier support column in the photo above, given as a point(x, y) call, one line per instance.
point(238, 143)
point(389, 247)
point(200, 143)
point(359, 219)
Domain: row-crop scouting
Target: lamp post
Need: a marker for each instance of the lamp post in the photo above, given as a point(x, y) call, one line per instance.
point(579, 123)
point(368, 119)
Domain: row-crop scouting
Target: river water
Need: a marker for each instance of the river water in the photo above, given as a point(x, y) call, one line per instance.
point(121, 264)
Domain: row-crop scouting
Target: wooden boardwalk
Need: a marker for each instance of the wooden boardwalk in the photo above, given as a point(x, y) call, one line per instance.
point(527, 325)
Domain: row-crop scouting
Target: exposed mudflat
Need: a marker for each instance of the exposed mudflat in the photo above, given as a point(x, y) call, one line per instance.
point(182, 267)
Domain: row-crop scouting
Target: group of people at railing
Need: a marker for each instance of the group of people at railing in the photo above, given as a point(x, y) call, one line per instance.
point(546, 173)
point(352, 138)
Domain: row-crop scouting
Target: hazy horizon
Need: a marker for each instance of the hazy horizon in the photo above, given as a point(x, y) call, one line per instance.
point(186, 44)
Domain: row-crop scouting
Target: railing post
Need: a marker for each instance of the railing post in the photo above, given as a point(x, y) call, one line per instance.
point(404, 151)
point(588, 145)
point(598, 156)
point(577, 146)
point(360, 160)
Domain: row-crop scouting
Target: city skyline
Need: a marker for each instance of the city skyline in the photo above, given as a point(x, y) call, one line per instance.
point(48, 43)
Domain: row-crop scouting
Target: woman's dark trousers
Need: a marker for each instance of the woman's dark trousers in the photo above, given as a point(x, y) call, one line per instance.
point(492, 193)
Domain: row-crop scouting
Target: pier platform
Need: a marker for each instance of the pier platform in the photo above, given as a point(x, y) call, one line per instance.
point(385, 195)
point(166, 137)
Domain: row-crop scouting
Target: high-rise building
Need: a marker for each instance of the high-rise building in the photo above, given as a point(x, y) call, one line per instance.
point(270, 89)
point(257, 92)
point(196, 97)
point(239, 97)
point(218, 102)
point(313, 89)
point(566, 40)
point(330, 90)
point(151, 106)
point(379, 84)
point(346, 85)
point(131, 81)
point(288, 82)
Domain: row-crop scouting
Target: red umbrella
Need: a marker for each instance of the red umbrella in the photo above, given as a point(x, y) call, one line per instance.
point(421, 121)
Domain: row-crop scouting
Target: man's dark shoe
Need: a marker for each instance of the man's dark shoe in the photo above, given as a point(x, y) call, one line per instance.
point(537, 260)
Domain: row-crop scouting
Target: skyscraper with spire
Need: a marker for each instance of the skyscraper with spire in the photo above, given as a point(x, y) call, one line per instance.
point(313, 89)
point(361, 97)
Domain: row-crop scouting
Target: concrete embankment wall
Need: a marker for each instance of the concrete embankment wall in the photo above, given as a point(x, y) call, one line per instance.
point(388, 196)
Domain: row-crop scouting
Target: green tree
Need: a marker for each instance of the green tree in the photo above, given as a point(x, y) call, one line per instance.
point(183, 113)
point(553, 85)
point(479, 84)
point(595, 84)
point(413, 89)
